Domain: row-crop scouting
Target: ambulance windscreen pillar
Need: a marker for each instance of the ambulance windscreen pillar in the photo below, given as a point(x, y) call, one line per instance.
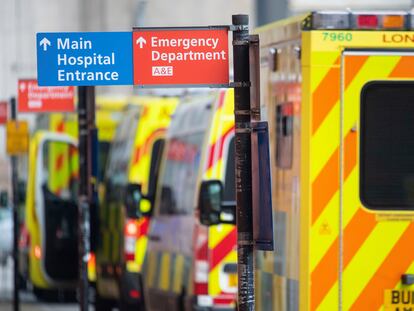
point(242, 113)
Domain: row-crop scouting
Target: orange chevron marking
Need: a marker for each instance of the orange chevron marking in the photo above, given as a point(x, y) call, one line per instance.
point(404, 68)
point(325, 185)
point(350, 153)
point(352, 66)
point(328, 91)
point(325, 96)
point(59, 161)
point(361, 224)
point(327, 182)
point(326, 273)
point(388, 274)
point(356, 232)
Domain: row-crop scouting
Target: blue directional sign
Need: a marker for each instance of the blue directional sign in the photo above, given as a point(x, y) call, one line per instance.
point(84, 58)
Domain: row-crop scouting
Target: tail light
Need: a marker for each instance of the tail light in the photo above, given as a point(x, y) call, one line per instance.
point(91, 261)
point(133, 293)
point(387, 20)
point(367, 21)
point(37, 252)
point(393, 21)
point(130, 239)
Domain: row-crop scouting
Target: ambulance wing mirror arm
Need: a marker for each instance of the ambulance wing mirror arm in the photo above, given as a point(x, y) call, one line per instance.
point(228, 212)
point(133, 197)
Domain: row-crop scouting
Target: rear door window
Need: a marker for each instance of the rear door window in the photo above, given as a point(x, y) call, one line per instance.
point(60, 170)
point(387, 145)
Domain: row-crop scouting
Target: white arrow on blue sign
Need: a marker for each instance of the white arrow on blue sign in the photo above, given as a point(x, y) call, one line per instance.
point(84, 58)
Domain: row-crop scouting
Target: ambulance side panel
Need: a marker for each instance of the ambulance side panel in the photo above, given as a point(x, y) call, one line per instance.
point(277, 272)
point(168, 262)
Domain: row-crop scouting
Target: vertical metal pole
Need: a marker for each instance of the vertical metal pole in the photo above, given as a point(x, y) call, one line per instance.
point(242, 115)
point(254, 55)
point(86, 104)
point(16, 302)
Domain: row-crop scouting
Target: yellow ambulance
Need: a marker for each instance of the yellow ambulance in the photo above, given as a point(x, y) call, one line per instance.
point(338, 92)
point(51, 215)
point(191, 259)
point(133, 164)
point(60, 161)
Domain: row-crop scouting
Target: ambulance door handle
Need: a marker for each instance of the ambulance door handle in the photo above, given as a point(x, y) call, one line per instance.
point(154, 238)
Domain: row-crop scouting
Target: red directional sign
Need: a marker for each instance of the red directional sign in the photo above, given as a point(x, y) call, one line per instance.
point(34, 98)
point(189, 56)
point(3, 112)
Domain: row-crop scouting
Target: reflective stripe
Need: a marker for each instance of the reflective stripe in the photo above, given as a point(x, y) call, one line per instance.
point(363, 254)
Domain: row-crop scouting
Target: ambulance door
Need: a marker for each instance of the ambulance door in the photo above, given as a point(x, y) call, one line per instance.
point(56, 188)
point(376, 242)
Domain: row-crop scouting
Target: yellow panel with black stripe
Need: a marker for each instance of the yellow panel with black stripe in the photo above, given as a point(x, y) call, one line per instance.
point(338, 97)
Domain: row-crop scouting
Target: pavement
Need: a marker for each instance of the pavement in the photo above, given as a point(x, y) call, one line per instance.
point(28, 301)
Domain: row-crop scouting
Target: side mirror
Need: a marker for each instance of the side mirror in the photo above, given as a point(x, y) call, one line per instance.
point(4, 199)
point(133, 198)
point(213, 210)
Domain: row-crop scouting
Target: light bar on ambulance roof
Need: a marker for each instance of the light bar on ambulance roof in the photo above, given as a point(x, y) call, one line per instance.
point(347, 20)
point(331, 20)
point(380, 20)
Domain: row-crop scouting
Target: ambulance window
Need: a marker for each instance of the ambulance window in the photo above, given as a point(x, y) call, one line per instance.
point(284, 135)
point(229, 193)
point(119, 156)
point(156, 154)
point(104, 147)
point(181, 169)
point(387, 145)
point(60, 170)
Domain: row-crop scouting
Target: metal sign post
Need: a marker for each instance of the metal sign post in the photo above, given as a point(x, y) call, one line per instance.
point(16, 302)
point(242, 114)
point(86, 120)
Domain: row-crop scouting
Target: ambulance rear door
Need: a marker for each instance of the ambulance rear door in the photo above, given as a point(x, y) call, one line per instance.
point(376, 254)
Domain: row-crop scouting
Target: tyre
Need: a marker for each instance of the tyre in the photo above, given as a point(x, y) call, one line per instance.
point(102, 304)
